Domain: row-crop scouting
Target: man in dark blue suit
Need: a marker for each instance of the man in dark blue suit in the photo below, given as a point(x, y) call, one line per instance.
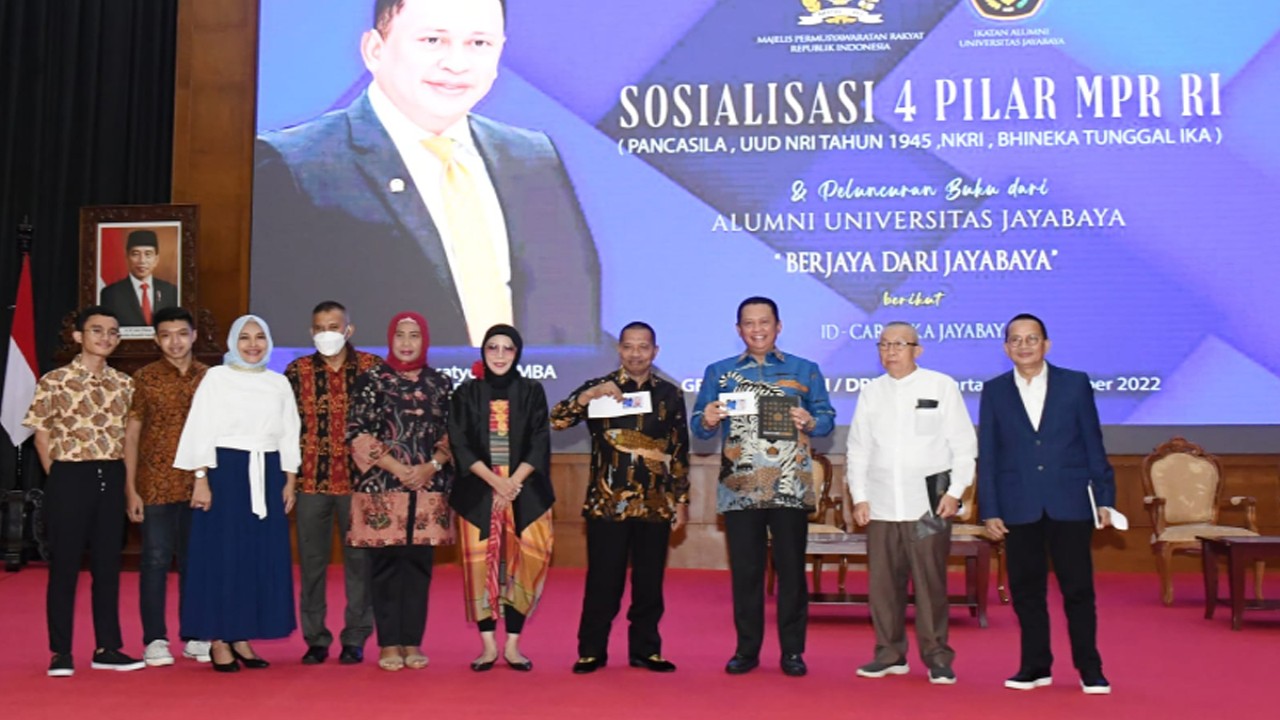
point(1039, 453)
point(365, 200)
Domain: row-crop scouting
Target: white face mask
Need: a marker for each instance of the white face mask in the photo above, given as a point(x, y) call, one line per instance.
point(329, 343)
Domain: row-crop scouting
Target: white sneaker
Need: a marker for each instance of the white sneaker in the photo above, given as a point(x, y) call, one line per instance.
point(197, 650)
point(157, 654)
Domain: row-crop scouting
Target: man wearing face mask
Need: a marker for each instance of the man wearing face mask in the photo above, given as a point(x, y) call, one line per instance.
point(322, 384)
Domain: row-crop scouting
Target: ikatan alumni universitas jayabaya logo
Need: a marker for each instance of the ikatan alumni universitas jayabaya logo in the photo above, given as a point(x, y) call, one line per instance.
point(1008, 9)
point(842, 12)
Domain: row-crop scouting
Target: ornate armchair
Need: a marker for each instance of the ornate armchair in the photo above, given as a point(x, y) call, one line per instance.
point(1183, 487)
point(966, 523)
point(831, 515)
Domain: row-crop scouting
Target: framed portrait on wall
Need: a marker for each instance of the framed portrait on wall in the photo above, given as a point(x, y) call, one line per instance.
point(136, 260)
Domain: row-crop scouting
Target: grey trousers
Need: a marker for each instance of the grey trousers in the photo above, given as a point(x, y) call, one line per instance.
point(894, 555)
point(315, 517)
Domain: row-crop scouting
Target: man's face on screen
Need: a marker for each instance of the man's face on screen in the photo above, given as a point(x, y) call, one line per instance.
point(437, 58)
point(142, 261)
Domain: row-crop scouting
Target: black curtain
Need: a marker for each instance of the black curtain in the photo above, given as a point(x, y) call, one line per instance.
point(86, 118)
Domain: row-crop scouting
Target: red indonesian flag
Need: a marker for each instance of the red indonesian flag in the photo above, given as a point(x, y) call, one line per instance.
point(20, 371)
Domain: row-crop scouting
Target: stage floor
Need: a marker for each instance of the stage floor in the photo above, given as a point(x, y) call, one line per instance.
point(1161, 661)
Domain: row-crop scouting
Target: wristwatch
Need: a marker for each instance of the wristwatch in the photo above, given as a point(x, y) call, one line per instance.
point(201, 474)
point(436, 464)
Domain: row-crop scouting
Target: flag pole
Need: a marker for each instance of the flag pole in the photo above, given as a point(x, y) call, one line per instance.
point(16, 498)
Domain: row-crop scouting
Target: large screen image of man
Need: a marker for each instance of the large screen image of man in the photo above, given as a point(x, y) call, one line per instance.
point(405, 199)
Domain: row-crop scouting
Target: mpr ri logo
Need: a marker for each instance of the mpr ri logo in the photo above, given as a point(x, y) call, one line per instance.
point(842, 12)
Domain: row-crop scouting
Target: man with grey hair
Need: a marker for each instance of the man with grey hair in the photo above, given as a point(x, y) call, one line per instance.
point(911, 455)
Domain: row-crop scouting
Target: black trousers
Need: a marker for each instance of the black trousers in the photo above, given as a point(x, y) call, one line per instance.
point(610, 545)
point(401, 584)
point(86, 510)
point(748, 533)
point(1029, 549)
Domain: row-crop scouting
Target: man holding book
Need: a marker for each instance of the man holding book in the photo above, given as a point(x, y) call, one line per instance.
point(911, 455)
point(765, 405)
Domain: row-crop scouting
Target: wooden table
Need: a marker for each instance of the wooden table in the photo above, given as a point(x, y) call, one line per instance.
point(977, 567)
point(1241, 553)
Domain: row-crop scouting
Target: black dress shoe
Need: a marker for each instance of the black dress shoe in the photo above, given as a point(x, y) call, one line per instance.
point(351, 655)
point(586, 665)
point(316, 654)
point(654, 662)
point(253, 663)
point(739, 664)
point(794, 666)
point(483, 665)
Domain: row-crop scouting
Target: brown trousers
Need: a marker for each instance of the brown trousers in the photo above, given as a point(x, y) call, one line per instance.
point(894, 555)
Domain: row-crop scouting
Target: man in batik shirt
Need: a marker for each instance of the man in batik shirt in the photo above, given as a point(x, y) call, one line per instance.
point(78, 415)
point(766, 485)
point(322, 383)
point(638, 495)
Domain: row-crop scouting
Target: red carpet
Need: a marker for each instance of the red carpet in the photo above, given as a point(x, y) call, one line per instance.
point(1168, 662)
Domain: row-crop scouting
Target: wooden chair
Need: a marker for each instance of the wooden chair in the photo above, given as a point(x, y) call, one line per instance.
point(1184, 487)
point(830, 515)
point(966, 524)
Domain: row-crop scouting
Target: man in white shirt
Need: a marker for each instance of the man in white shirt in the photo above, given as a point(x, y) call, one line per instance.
point(910, 430)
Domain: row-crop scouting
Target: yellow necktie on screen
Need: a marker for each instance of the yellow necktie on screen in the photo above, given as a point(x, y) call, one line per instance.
point(486, 300)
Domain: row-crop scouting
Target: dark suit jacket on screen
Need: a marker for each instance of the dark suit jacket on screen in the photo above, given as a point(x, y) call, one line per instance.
point(118, 297)
point(329, 224)
point(1024, 473)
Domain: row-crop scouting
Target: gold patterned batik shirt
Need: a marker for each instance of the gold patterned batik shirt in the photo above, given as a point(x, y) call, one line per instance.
point(639, 463)
point(83, 413)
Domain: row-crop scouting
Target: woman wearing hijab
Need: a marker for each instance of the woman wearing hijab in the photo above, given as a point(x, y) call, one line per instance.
point(397, 428)
point(502, 449)
point(241, 439)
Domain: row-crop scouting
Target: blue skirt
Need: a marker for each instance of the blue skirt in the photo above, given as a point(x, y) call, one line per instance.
point(239, 583)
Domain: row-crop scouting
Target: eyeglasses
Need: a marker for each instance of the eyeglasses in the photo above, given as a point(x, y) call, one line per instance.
point(1029, 341)
point(896, 345)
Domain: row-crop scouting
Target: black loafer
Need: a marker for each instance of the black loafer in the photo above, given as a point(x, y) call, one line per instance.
point(351, 655)
point(740, 664)
point(793, 665)
point(586, 665)
point(654, 662)
point(316, 654)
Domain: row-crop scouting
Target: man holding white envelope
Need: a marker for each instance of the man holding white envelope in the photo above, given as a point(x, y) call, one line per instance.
point(638, 494)
point(774, 402)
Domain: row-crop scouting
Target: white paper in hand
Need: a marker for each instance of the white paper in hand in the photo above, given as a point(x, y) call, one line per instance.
point(1118, 519)
point(738, 403)
point(635, 403)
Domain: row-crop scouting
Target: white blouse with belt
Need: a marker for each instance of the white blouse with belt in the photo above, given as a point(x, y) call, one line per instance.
point(251, 410)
